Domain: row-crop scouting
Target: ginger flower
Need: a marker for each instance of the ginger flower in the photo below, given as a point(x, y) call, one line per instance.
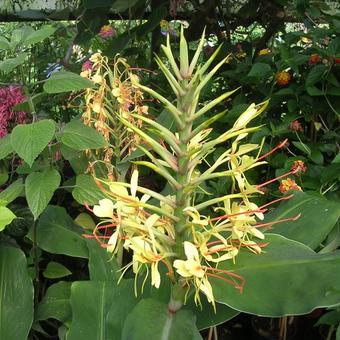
point(191, 268)
point(283, 78)
point(299, 166)
point(288, 184)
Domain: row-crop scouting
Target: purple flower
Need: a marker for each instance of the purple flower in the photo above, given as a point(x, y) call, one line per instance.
point(87, 65)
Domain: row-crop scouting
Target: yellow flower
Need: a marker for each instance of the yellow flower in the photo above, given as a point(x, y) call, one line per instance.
point(192, 268)
point(104, 209)
point(264, 51)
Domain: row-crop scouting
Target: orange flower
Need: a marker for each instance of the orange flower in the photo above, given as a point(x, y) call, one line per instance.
point(288, 184)
point(283, 78)
point(299, 166)
point(314, 59)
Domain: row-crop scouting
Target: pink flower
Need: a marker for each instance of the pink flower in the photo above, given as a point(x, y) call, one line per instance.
point(107, 31)
point(87, 65)
point(9, 97)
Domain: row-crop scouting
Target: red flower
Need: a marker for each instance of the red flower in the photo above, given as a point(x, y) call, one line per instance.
point(314, 59)
point(295, 126)
point(299, 166)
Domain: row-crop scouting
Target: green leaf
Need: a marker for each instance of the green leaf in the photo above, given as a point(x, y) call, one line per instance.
point(5, 146)
point(81, 137)
point(6, 217)
point(151, 320)
point(56, 303)
point(16, 294)
point(259, 70)
point(99, 309)
point(29, 140)
point(4, 43)
point(55, 270)
point(13, 191)
point(10, 64)
point(85, 221)
point(123, 5)
point(318, 217)
point(274, 279)
point(206, 316)
point(330, 318)
point(39, 188)
point(315, 75)
point(102, 266)
point(86, 190)
point(64, 81)
point(58, 234)
point(39, 35)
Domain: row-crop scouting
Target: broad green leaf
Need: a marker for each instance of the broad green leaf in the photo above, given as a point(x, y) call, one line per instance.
point(206, 316)
point(55, 270)
point(102, 266)
point(58, 234)
point(5, 146)
point(39, 35)
point(4, 44)
point(315, 75)
point(259, 70)
point(63, 81)
point(85, 221)
point(81, 137)
point(318, 217)
point(99, 309)
point(123, 5)
point(29, 140)
point(86, 190)
point(13, 191)
point(151, 320)
point(330, 318)
point(56, 303)
point(6, 217)
point(39, 188)
point(3, 177)
point(16, 294)
point(78, 160)
point(10, 64)
point(286, 278)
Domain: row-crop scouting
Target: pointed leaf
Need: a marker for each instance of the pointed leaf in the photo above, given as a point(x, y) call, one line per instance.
point(39, 188)
point(16, 294)
point(56, 303)
point(6, 217)
point(150, 319)
point(58, 234)
point(318, 217)
point(55, 270)
point(81, 137)
point(275, 278)
point(86, 190)
point(63, 81)
point(29, 140)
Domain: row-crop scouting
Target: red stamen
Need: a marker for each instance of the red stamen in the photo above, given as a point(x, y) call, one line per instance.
point(280, 146)
point(88, 208)
point(269, 224)
point(276, 179)
point(277, 200)
point(249, 212)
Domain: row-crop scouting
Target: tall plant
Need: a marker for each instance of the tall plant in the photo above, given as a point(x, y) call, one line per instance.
point(174, 232)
